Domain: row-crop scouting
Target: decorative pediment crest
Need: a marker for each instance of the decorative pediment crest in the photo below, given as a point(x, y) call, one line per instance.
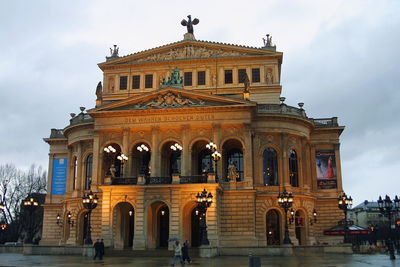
point(190, 51)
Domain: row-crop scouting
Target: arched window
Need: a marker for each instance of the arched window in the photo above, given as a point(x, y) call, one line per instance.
point(235, 156)
point(89, 167)
point(270, 163)
point(205, 163)
point(75, 173)
point(293, 168)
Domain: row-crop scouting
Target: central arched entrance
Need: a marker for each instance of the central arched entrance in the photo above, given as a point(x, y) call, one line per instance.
point(123, 225)
point(272, 228)
point(195, 229)
point(158, 225)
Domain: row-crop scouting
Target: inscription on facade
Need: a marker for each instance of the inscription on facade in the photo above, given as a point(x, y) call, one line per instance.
point(170, 118)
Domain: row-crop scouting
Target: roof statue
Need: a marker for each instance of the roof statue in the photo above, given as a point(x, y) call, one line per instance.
point(99, 91)
point(113, 53)
point(174, 80)
point(268, 42)
point(189, 24)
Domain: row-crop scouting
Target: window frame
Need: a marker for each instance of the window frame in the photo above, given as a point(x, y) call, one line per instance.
point(123, 82)
point(147, 80)
point(255, 78)
point(134, 80)
point(228, 76)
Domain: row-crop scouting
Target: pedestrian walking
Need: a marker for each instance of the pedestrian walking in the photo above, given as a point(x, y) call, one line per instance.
point(177, 253)
point(185, 252)
point(97, 249)
point(101, 248)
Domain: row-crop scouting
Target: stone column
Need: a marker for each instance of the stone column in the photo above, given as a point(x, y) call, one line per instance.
point(106, 218)
point(217, 140)
point(50, 178)
point(262, 75)
point(306, 164)
point(285, 160)
point(97, 162)
point(155, 161)
point(125, 149)
point(248, 155)
point(313, 170)
point(139, 239)
point(174, 227)
point(235, 78)
point(185, 167)
point(70, 171)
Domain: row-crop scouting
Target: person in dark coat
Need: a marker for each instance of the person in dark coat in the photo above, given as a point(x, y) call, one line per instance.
point(97, 249)
point(185, 252)
point(101, 248)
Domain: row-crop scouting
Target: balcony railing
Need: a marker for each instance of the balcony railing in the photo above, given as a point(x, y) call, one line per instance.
point(193, 179)
point(159, 180)
point(124, 181)
point(329, 122)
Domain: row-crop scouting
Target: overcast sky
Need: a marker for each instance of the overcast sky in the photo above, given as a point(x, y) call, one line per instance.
point(340, 59)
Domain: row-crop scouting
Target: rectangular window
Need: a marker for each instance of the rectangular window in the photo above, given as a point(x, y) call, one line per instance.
point(241, 73)
point(123, 81)
point(135, 81)
point(201, 78)
point(255, 75)
point(187, 79)
point(228, 76)
point(149, 81)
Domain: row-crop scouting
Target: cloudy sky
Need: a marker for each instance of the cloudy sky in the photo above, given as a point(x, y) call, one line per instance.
point(339, 59)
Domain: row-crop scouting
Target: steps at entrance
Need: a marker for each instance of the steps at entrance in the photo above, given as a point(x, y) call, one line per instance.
point(110, 252)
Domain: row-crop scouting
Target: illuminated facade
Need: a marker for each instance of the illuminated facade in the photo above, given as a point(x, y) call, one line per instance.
point(142, 150)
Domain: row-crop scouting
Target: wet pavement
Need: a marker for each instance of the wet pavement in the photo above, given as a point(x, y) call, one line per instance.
point(327, 260)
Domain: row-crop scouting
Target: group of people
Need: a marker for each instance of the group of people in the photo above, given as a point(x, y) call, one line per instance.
point(98, 249)
point(181, 252)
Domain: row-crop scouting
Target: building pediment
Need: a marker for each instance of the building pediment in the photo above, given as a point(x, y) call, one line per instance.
point(170, 98)
point(189, 49)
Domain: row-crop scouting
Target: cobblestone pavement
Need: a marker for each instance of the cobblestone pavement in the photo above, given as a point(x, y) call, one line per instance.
point(330, 260)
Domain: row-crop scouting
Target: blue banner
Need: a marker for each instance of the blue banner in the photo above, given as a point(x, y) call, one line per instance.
point(59, 177)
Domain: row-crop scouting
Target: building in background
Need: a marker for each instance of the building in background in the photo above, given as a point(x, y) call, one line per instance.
point(143, 150)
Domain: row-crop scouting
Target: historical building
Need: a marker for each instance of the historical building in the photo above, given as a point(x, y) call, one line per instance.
point(142, 149)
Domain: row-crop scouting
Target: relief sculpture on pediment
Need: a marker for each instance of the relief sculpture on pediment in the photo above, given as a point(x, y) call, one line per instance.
point(169, 100)
point(190, 52)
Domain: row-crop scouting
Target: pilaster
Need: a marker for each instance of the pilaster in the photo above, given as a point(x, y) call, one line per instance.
point(285, 160)
point(97, 162)
point(248, 155)
point(185, 168)
point(338, 168)
point(155, 153)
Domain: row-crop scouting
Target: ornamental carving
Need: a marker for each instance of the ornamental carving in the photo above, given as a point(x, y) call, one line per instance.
point(190, 52)
point(169, 100)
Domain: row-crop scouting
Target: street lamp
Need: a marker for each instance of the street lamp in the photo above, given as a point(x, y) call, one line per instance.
point(176, 152)
point(123, 158)
point(285, 200)
point(89, 202)
point(30, 205)
point(387, 208)
point(315, 217)
point(109, 150)
point(215, 156)
point(344, 203)
point(203, 202)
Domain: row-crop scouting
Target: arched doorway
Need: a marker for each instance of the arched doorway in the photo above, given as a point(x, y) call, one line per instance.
point(123, 225)
point(140, 160)
point(300, 222)
point(233, 154)
point(158, 225)
point(170, 158)
point(110, 162)
point(195, 228)
point(273, 227)
point(81, 228)
point(201, 158)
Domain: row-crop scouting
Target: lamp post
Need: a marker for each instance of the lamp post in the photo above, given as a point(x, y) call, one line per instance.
point(89, 202)
point(69, 221)
point(203, 202)
point(215, 156)
point(176, 152)
point(387, 208)
point(285, 200)
point(30, 205)
point(344, 203)
point(123, 158)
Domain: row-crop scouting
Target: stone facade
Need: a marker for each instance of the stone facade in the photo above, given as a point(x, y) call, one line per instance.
point(152, 196)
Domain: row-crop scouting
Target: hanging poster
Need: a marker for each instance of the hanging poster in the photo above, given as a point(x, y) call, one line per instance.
point(326, 169)
point(59, 177)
